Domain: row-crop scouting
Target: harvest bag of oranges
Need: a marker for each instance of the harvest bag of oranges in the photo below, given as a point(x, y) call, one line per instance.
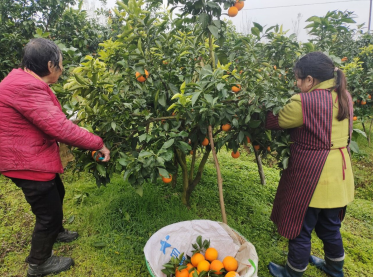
point(200, 248)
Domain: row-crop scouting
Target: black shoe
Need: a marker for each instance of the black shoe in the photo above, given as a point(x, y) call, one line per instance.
point(51, 266)
point(280, 271)
point(331, 268)
point(66, 236)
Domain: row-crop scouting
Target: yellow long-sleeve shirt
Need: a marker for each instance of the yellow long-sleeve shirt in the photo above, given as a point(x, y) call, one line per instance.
point(331, 191)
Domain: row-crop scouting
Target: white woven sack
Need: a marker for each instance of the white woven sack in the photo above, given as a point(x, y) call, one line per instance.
point(178, 238)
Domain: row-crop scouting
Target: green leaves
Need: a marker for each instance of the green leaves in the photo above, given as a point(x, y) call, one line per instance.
point(168, 143)
point(214, 31)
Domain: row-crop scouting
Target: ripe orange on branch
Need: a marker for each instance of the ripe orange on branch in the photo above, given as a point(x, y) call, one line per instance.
point(142, 78)
point(257, 147)
point(233, 11)
point(354, 118)
point(167, 180)
point(236, 88)
point(363, 102)
point(248, 139)
point(205, 142)
point(239, 5)
point(235, 155)
point(226, 127)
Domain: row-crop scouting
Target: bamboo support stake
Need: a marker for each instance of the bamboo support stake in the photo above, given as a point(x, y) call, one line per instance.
point(219, 176)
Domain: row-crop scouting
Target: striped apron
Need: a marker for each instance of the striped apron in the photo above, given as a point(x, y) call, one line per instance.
point(309, 150)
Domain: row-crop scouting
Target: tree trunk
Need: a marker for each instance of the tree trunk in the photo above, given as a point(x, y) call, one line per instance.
point(182, 161)
point(259, 164)
point(371, 125)
point(211, 52)
point(219, 176)
point(193, 183)
point(175, 176)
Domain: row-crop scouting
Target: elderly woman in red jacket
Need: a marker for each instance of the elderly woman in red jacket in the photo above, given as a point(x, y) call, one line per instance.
point(32, 124)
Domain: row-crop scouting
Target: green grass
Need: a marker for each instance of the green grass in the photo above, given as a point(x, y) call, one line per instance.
point(122, 221)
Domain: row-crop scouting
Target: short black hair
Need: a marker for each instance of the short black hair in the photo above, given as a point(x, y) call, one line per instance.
point(37, 53)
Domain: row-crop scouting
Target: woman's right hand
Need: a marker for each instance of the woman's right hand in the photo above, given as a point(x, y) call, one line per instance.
point(104, 152)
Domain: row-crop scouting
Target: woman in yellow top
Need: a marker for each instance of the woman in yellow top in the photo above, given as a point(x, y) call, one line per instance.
point(318, 183)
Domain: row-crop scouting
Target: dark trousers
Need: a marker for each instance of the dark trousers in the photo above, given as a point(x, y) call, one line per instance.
point(45, 199)
point(326, 223)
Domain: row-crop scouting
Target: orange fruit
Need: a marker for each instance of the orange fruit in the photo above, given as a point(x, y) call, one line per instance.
point(369, 96)
point(239, 5)
point(257, 147)
point(216, 265)
point(344, 59)
point(189, 266)
point(363, 102)
point(232, 11)
point(232, 274)
point(248, 140)
point(211, 254)
point(165, 62)
point(191, 273)
point(235, 155)
point(226, 127)
point(241, 72)
point(196, 258)
point(203, 266)
point(275, 67)
point(354, 118)
point(167, 180)
point(191, 152)
point(236, 88)
point(358, 101)
point(269, 149)
point(141, 77)
point(230, 263)
point(182, 273)
point(205, 142)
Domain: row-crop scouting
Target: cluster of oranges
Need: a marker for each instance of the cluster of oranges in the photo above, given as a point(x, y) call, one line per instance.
point(233, 11)
point(199, 263)
point(142, 77)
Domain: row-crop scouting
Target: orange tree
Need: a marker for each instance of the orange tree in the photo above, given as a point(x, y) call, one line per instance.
point(156, 91)
point(146, 130)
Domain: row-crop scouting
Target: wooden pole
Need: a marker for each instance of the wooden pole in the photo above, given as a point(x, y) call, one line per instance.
point(219, 176)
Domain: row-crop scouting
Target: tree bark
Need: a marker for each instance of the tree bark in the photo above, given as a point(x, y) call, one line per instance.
point(219, 176)
point(193, 183)
point(175, 176)
point(182, 161)
point(259, 164)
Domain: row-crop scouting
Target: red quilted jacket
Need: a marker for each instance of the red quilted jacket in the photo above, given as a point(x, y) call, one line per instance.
point(31, 122)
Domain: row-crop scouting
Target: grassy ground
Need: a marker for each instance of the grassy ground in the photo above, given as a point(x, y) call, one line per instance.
point(120, 221)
